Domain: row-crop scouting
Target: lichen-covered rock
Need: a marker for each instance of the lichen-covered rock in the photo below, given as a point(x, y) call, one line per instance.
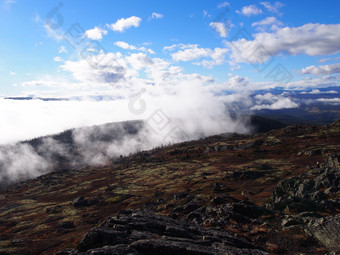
point(310, 192)
point(327, 231)
point(137, 232)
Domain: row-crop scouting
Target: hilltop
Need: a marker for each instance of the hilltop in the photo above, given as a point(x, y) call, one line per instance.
point(275, 192)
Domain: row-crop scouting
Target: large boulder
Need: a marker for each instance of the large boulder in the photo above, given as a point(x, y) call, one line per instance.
point(327, 231)
point(137, 232)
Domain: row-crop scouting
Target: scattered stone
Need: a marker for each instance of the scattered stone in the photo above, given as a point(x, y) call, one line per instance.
point(288, 222)
point(81, 201)
point(54, 210)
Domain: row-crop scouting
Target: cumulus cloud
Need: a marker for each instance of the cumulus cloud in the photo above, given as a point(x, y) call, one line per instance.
point(324, 69)
point(309, 39)
point(221, 28)
point(217, 58)
point(192, 52)
point(250, 10)
point(95, 33)
point(123, 24)
point(238, 82)
point(102, 68)
point(125, 45)
point(273, 102)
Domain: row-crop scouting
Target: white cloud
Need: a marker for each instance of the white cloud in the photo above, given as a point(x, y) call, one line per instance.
point(273, 102)
point(62, 49)
point(126, 46)
point(12, 73)
point(122, 72)
point(57, 59)
point(95, 33)
point(139, 61)
point(317, 91)
point(98, 69)
point(54, 116)
point(269, 21)
point(184, 97)
point(20, 162)
point(224, 4)
point(318, 70)
point(156, 15)
point(309, 82)
point(217, 58)
point(192, 52)
point(272, 7)
point(238, 82)
point(122, 24)
point(221, 28)
point(284, 103)
point(309, 39)
point(333, 101)
point(170, 48)
point(187, 105)
point(250, 10)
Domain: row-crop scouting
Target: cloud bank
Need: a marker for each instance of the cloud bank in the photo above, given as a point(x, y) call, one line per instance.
point(310, 39)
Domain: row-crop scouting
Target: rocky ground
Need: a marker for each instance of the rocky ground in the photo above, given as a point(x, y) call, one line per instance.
point(226, 194)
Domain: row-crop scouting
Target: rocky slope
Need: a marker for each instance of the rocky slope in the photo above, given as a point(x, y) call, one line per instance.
point(226, 194)
point(299, 205)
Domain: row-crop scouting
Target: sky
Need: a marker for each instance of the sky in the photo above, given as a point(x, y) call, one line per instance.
point(170, 52)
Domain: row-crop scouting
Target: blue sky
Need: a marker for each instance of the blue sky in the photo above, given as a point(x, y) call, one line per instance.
point(180, 66)
point(190, 60)
point(30, 52)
